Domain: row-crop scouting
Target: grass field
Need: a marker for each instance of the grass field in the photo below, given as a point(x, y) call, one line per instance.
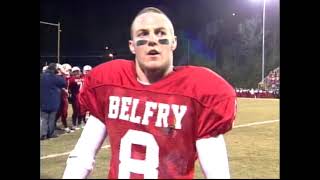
point(253, 149)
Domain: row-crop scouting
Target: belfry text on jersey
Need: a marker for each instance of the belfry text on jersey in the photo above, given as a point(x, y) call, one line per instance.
point(119, 108)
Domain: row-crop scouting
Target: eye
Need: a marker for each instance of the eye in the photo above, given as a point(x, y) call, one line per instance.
point(161, 33)
point(143, 33)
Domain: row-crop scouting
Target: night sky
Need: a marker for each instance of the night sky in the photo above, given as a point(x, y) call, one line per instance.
point(89, 26)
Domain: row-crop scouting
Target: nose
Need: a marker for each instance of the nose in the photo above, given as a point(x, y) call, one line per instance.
point(152, 40)
point(151, 43)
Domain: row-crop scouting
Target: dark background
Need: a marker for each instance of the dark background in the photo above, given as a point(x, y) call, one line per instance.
point(207, 31)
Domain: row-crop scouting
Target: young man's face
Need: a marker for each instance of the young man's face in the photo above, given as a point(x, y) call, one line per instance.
point(153, 41)
point(76, 73)
point(86, 71)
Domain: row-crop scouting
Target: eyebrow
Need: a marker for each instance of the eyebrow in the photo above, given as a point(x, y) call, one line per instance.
point(141, 30)
point(146, 30)
point(160, 28)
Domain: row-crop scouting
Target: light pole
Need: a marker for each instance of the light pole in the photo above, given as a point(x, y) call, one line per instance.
point(263, 20)
point(263, 27)
point(59, 31)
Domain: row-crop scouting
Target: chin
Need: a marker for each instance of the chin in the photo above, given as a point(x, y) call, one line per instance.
point(154, 65)
point(153, 68)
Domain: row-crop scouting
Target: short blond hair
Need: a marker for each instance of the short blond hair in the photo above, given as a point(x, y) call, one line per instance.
point(153, 10)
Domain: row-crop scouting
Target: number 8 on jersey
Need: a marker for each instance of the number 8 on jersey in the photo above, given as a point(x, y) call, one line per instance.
point(148, 166)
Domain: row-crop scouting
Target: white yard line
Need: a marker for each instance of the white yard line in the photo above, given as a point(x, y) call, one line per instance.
point(268, 99)
point(66, 153)
point(108, 146)
point(255, 123)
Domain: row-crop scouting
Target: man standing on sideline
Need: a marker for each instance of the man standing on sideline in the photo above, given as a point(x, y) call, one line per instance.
point(50, 94)
point(159, 118)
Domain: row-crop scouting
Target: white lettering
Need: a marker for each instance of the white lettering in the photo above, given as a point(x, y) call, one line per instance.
point(125, 101)
point(114, 102)
point(178, 115)
point(133, 117)
point(163, 113)
point(147, 112)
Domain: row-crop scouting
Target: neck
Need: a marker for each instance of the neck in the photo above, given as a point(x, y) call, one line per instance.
point(146, 76)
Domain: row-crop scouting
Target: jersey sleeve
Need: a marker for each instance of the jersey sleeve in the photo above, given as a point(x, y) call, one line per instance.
point(217, 118)
point(88, 98)
point(217, 99)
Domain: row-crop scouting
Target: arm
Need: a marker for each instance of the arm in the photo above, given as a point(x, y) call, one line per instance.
point(81, 160)
point(61, 82)
point(66, 91)
point(213, 157)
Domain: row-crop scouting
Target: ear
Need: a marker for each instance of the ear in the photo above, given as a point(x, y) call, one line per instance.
point(131, 47)
point(174, 43)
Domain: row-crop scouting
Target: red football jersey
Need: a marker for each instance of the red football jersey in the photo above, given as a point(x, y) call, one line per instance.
point(153, 128)
point(63, 93)
point(67, 78)
point(75, 83)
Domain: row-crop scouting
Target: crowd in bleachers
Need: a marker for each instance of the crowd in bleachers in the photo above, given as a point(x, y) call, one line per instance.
point(257, 93)
point(269, 88)
point(272, 80)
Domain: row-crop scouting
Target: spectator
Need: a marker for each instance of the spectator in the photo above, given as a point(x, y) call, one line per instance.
point(50, 89)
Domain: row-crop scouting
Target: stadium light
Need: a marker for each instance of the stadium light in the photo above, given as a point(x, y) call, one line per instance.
point(59, 31)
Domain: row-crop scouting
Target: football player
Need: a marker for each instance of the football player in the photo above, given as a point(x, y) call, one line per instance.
point(63, 110)
point(67, 69)
point(82, 110)
point(160, 119)
point(75, 83)
point(86, 69)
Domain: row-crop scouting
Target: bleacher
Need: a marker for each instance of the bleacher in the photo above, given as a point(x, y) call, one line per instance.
point(269, 88)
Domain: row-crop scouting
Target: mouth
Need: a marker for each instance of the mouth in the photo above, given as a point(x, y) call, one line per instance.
point(153, 52)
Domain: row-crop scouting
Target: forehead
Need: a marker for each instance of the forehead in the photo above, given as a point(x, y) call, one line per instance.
point(151, 20)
